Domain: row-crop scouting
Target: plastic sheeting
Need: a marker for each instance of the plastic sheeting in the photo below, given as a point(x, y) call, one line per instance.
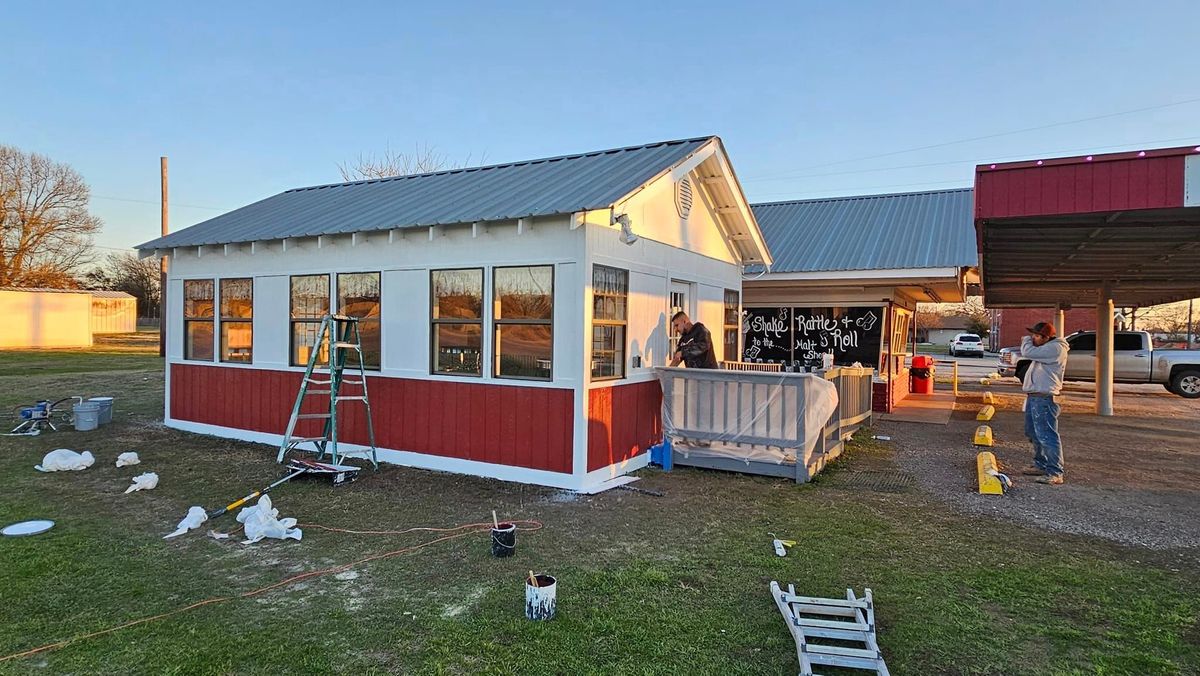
point(143, 482)
point(128, 458)
point(262, 521)
point(752, 416)
point(64, 459)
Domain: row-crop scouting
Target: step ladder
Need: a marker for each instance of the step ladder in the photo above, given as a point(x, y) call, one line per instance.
point(849, 620)
point(342, 333)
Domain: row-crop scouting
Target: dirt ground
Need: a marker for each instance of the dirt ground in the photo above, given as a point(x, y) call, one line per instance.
point(1133, 478)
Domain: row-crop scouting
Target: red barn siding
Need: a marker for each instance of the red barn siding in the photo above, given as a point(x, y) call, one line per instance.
point(466, 420)
point(1077, 186)
point(623, 421)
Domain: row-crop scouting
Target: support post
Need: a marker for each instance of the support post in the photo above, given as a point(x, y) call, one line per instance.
point(1190, 334)
point(162, 266)
point(1104, 353)
point(1060, 322)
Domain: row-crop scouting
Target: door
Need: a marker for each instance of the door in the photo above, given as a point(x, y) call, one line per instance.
point(1131, 358)
point(681, 294)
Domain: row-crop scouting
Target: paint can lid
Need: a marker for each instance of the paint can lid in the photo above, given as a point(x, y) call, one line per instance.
point(20, 528)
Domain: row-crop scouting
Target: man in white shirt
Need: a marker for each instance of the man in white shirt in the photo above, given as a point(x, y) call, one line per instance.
point(1042, 385)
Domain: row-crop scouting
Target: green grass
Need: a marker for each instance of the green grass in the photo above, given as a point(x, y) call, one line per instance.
point(118, 352)
point(647, 585)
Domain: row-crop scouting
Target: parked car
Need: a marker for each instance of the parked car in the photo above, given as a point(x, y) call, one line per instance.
point(966, 344)
point(1134, 361)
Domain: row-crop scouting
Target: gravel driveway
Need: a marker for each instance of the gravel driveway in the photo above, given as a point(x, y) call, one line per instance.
point(1133, 478)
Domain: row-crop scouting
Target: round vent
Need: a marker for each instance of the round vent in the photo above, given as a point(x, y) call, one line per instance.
point(683, 197)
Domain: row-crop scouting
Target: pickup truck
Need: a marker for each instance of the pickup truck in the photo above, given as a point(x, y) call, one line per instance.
point(1134, 361)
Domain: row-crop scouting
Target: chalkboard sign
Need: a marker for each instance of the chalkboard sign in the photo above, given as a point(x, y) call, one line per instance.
point(767, 335)
point(798, 336)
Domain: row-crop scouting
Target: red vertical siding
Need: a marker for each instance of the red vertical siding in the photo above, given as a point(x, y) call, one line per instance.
point(623, 421)
point(1077, 186)
point(1013, 322)
point(520, 426)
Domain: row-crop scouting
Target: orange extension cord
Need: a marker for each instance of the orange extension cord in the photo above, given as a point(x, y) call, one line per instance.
point(454, 533)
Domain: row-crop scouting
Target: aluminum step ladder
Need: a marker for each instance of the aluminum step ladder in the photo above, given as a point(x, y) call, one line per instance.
point(342, 334)
point(849, 620)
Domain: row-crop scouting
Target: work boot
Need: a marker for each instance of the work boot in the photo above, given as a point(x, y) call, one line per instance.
point(1055, 480)
point(1033, 470)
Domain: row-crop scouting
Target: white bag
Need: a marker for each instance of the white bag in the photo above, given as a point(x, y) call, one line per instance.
point(262, 521)
point(128, 458)
point(143, 482)
point(195, 517)
point(63, 459)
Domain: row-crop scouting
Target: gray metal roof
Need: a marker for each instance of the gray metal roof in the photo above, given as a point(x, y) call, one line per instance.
point(872, 232)
point(555, 185)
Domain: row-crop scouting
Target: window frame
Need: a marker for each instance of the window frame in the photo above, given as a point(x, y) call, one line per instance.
point(622, 370)
point(219, 313)
point(336, 305)
point(211, 320)
point(434, 322)
point(292, 321)
point(736, 328)
point(497, 323)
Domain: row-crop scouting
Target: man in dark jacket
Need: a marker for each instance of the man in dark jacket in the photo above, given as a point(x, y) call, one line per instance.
point(695, 347)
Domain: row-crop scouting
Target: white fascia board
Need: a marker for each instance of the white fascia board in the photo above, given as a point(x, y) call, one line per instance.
point(908, 274)
point(744, 209)
point(685, 167)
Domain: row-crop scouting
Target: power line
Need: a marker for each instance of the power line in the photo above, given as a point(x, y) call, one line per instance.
point(156, 202)
point(972, 161)
point(990, 136)
point(928, 184)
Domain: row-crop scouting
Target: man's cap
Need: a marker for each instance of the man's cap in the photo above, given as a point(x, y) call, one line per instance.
point(1042, 329)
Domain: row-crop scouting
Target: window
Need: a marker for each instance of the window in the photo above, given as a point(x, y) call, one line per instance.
point(457, 335)
point(198, 319)
point(310, 304)
point(237, 320)
point(1084, 343)
point(523, 302)
point(1127, 342)
point(733, 327)
point(358, 296)
point(610, 298)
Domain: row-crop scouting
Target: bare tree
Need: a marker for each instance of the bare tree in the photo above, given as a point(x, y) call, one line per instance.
point(136, 277)
point(45, 227)
point(423, 159)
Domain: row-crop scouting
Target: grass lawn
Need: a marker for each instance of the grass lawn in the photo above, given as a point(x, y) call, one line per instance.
point(672, 584)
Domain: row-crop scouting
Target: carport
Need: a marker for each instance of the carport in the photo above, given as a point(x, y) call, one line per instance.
point(1121, 229)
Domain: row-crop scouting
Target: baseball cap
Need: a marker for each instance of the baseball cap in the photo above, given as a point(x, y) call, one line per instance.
point(1042, 329)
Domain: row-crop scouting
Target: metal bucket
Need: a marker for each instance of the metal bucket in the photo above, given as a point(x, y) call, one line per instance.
point(504, 540)
point(106, 406)
point(541, 601)
point(87, 416)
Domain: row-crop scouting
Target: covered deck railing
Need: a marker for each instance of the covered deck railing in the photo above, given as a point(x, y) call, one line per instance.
point(777, 424)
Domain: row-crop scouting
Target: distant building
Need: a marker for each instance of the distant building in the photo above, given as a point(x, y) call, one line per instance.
point(942, 335)
point(36, 318)
point(1009, 324)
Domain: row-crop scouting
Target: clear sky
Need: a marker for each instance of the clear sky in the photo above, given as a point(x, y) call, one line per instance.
point(251, 98)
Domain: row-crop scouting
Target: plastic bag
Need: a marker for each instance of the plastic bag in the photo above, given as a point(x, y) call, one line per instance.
point(63, 459)
point(143, 482)
point(128, 458)
point(262, 521)
point(195, 517)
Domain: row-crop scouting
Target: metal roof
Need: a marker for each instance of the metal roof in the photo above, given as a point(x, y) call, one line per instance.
point(934, 229)
point(555, 185)
point(110, 294)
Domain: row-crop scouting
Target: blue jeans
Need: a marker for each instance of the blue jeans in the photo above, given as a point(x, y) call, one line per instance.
point(1041, 426)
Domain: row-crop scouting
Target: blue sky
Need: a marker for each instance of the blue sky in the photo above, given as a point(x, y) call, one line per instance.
point(248, 99)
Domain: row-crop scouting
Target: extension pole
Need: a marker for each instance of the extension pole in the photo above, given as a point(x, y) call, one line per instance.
point(238, 503)
point(162, 274)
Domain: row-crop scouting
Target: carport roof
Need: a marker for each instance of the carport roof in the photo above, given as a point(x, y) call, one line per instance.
point(1054, 232)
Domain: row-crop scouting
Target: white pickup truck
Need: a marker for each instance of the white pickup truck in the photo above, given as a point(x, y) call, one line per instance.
point(1134, 361)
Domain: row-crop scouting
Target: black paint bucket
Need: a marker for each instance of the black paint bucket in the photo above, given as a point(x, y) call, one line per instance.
point(504, 540)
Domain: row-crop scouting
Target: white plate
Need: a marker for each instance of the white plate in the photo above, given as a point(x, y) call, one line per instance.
point(27, 527)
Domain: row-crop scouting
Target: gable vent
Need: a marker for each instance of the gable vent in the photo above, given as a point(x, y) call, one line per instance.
point(683, 197)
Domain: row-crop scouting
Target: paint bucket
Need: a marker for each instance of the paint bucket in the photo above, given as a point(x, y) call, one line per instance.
point(504, 540)
point(87, 416)
point(540, 601)
point(106, 404)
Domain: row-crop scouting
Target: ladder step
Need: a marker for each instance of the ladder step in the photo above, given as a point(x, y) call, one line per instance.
point(311, 416)
point(832, 624)
point(314, 381)
point(302, 440)
point(813, 601)
point(346, 346)
point(311, 392)
point(345, 318)
point(356, 398)
point(838, 651)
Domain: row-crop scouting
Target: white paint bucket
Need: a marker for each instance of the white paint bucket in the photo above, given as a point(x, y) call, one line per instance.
point(87, 416)
point(540, 601)
point(106, 406)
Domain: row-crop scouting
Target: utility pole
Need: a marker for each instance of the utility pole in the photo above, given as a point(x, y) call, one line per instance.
point(162, 275)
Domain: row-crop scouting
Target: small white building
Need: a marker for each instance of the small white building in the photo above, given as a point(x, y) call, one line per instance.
point(38, 318)
point(512, 314)
point(113, 312)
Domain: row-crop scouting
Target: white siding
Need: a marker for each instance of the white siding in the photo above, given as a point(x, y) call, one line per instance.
point(114, 315)
point(45, 319)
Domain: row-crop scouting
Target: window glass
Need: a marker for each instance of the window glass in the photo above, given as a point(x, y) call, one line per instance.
point(610, 300)
point(1130, 342)
point(457, 316)
point(732, 320)
point(309, 305)
point(1086, 343)
point(198, 327)
point(359, 296)
point(237, 325)
point(523, 302)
